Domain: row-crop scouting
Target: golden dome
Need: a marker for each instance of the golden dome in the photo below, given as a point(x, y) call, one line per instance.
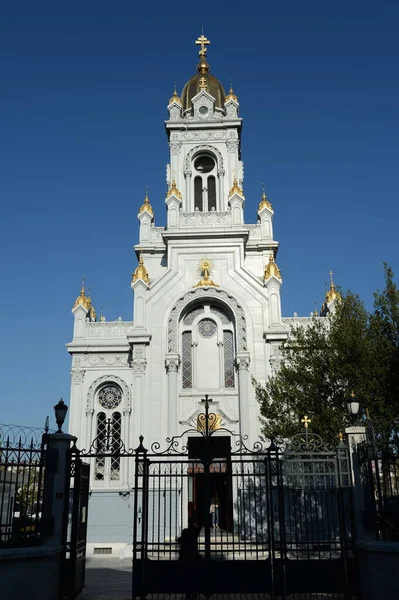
point(173, 191)
point(264, 203)
point(236, 189)
point(332, 293)
point(271, 269)
point(82, 299)
point(231, 95)
point(146, 207)
point(175, 97)
point(203, 80)
point(92, 312)
point(141, 271)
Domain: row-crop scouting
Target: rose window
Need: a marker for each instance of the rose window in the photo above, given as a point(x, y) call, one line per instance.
point(207, 328)
point(110, 396)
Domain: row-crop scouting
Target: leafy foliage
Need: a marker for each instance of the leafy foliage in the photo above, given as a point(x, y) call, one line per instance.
point(323, 362)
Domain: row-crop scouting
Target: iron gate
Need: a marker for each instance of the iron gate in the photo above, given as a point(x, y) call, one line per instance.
point(284, 522)
point(75, 520)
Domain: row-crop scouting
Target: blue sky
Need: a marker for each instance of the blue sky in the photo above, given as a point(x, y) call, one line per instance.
point(84, 95)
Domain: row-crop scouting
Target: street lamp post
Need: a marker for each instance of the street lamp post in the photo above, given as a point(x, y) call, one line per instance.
point(60, 410)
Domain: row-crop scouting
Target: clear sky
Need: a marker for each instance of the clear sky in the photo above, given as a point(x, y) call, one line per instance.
point(84, 90)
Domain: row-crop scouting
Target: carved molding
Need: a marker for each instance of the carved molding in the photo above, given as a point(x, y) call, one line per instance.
point(77, 375)
point(99, 360)
point(126, 399)
point(204, 293)
point(139, 361)
point(204, 147)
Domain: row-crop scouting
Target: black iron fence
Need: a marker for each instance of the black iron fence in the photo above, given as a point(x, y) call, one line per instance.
point(22, 471)
point(380, 476)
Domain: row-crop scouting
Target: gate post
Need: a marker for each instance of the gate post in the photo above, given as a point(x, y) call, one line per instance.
point(56, 489)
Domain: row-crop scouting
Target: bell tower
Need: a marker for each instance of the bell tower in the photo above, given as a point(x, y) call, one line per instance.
point(204, 132)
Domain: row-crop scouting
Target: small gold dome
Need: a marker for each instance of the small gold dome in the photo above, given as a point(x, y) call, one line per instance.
point(175, 98)
point(82, 299)
point(264, 203)
point(141, 271)
point(271, 269)
point(332, 293)
point(92, 312)
point(146, 207)
point(231, 95)
point(173, 191)
point(236, 189)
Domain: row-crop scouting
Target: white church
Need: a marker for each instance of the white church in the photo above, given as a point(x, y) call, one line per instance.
point(207, 307)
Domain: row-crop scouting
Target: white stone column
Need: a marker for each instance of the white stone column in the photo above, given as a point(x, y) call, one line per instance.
point(222, 203)
point(188, 207)
point(243, 361)
point(76, 414)
point(172, 362)
point(89, 429)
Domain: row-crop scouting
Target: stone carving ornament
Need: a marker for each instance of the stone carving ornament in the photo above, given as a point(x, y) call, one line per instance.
point(203, 293)
point(206, 148)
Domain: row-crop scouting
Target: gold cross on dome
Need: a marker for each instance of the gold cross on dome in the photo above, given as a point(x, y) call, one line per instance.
point(202, 83)
point(202, 41)
point(306, 421)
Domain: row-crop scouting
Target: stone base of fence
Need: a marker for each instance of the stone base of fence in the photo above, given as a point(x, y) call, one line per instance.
point(30, 573)
point(378, 569)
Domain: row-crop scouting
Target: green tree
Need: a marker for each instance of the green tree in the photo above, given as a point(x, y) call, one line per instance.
point(324, 362)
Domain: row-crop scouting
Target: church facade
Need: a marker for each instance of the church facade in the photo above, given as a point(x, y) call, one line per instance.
point(207, 307)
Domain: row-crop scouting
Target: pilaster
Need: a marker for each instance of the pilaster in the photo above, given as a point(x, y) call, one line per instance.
point(172, 364)
point(242, 362)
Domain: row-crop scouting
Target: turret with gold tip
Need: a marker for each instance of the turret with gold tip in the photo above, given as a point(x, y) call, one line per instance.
point(331, 299)
point(271, 269)
point(265, 213)
point(175, 106)
point(231, 95)
point(231, 104)
point(173, 202)
point(235, 189)
point(236, 201)
point(141, 272)
point(82, 299)
point(146, 217)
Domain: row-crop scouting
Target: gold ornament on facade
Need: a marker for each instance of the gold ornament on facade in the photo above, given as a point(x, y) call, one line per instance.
point(214, 422)
point(236, 189)
point(146, 207)
point(271, 269)
point(141, 271)
point(264, 203)
point(332, 293)
point(173, 191)
point(204, 268)
point(175, 97)
point(231, 95)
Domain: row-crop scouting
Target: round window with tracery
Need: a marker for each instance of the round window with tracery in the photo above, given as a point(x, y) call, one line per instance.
point(207, 328)
point(110, 396)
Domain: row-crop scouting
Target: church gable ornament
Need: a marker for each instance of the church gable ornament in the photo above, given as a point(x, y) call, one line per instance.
point(204, 293)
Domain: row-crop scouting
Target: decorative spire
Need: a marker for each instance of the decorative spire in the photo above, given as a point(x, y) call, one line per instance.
point(203, 66)
point(332, 293)
point(102, 317)
point(173, 191)
point(175, 97)
point(231, 95)
point(271, 269)
point(146, 207)
point(141, 271)
point(236, 188)
point(264, 203)
point(82, 299)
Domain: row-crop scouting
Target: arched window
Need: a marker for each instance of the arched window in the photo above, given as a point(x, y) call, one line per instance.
point(207, 348)
point(205, 194)
point(108, 434)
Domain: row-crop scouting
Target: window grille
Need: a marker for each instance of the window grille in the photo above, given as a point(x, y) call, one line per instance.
point(198, 193)
point(187, 362)
point(101, 435)
point(116, 440)
point(211, 193)
point(228, 359)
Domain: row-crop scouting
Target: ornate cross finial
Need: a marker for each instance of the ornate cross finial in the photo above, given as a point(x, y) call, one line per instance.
point(341, 437)
point(306, 421)
point(203, 83)
point(202, 41)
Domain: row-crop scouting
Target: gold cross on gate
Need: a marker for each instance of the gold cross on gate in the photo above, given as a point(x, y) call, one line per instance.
point(202, 41)
point(306, 421)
